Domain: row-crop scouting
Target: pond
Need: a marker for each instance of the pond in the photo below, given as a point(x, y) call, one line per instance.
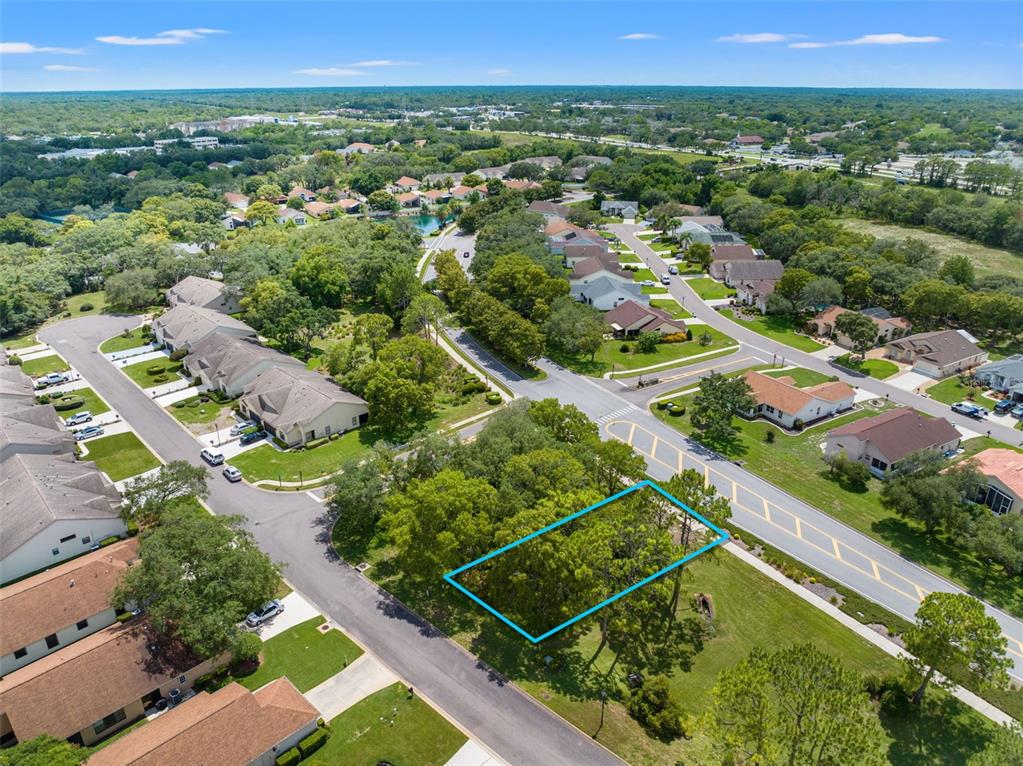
point(427, 224)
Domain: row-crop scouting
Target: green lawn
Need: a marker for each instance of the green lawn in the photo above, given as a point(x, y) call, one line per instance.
point(641, 275)
point(709, 289)
point(123, 343)
point(20, 340)
point(628, 257)
point(305, 655)
point(194, 412)
point(98, 301)
point(388, 727)
point(120, 455)
point(951, 390)
point(610, 353)
point(802, 377)
point(162, 367)
point(92, 403)
point(671, 306)
point(794, 464)
point(44, 365)
point(779, 328)
point(267, 462)
point(875, 368)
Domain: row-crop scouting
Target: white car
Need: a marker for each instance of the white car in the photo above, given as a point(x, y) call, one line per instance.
point(236, 430)
point(232, 474)
point(78, 418)
point(212, 457)
point(649, 283)
point(264, 613)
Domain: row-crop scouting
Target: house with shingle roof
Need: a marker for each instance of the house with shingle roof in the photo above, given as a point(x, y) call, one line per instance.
point(228, 363)
point(561, 233)
point(755, 292)
point(937, 354)
point(883, 440)
point(62, 605)
point(444, 179)
point(205, 293)
point(605, 294)
point(574, 252)
point(1004, 376)
point(358, 147)
point(498, 171)
point(594, 268)
point(53, 507)
point(619, 208)
point(734, 273)
point(1003, 469)
point(888, 327)
point(782, 402)
point(35, 430)
point(547, 162)
point(549, 210)
point(630, 318)
point(230, 727)
point(185, 325)
point(16, 389)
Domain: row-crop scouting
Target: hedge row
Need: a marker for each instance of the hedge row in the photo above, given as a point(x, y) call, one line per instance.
point(67, 403)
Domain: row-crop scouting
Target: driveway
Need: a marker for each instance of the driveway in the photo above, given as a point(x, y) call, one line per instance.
point(291, 528)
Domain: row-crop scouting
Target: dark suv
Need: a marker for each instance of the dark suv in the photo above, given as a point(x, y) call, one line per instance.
point(253, 436)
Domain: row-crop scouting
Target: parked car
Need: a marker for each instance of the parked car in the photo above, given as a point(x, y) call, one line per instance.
point(665, 279)
point(264, 613)
point(242, 427)
point(254, 436)
point(78, 418)
point(88, 432)
point(1004, 406)
point(1017, 412)
point(969, 410)
point(212, 457)
point(232, 474)
point(649, 283)
point(673, 269)
point(52, 379)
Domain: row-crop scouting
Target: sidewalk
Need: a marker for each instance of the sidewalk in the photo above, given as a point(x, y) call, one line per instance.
point(472, 754)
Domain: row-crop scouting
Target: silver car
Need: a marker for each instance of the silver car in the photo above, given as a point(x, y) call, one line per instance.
point(264, 613)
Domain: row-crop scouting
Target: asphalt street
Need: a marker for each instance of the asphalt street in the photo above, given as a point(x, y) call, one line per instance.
point(291, 527)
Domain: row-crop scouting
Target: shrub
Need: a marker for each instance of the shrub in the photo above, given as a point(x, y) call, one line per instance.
point(68, 403)
point(14, 359)
point(647, 342)
point(476, 386)
point(314, 443)
point(289, 758)
point(191, 403)
point(770, 436)
point(675, 337)
point(689, 334)
point(662, 405)
point(492, 397)
point(334, 436)
point(43, 399)
point(86, 307)
point(178, 405)
point(246, 647)
point(123, 617)
point(109, 540)
point(313, 742)
point(798, 424)
point(624, 348)
point(677, 412)
point(706, 339)
point(178, 354)
point(160, 379)
point(197, 381)
point(155, 369)
point(655, 709)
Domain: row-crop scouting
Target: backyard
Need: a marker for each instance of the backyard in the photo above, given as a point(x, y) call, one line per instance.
point(775, 327)
point(610, 354)
point(120, 456)
point(303, 654)
point(43, 365)
point(709, 289)
point(153, 372)
point(793, 463)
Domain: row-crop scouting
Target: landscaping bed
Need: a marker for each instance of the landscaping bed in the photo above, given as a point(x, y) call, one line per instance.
point(200, 410)
point(90, 402)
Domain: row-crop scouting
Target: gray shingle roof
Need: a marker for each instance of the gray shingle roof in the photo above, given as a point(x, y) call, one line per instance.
point(185, 324)
point(602, 286)
point(285, 396)
point(37, 425)
point(942, 347)
point(16, 389)
point(196, 291)
point(225, 358)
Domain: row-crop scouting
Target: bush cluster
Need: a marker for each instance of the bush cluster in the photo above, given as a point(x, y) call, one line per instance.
point(86, 307)
point(289, 758)
point(675, 337)
point(68, 403)
point(493, 397)
point(178, 354)
point(313, 742)
point(314, 443)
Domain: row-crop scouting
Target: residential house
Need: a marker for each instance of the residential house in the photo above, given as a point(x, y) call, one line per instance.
point(233, 221)
point(746, 142)
point(34, 430)
point(1003, 469)
point(580, 251)
point(755, 292)
point(306, 195)
point(1004, 376)
point(53, 609)
point(183, 325)
point(204, 293)
point(888, 327)
point(318, 209)
point(297, 405)
point(408, 200)
point(436, 196)
point(937, 354)
point(16, 389)
point(500, 171)
point(444, 179)
point(597, 268)
point(53, 507)
point(689, 232)
point(230, 727)
point(782, 402)
point(236, 200)
point(521, 184)
point(96, 686)
point(406, 184)
point(883, 440)
point(549, 210)
point(358, 147)
point(464, 193)
point(619, 208)
point(605, 293)
point(547, 163)
point(286, 214)
point(630, 318)
point(733, 273)
point(561, 233)
point(348, 205)
point(228, 363)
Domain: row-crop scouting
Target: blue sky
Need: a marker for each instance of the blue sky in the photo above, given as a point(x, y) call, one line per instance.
point(96, 45)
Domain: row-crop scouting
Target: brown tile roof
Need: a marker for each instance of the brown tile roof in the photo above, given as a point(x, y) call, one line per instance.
point(347, 203)
point(231, 727)
point(317, 208)
point(1006, 465)
point(781, 394)
point(407, 181)
point(60, 597)
point(68, 690)
point(831, 391)
point(521, 185)
point(831, 313)
point(300, 191)
point(407, 197)
point(900, 432)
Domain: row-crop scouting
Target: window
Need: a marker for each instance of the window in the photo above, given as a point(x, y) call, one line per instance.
point(52, 641)
point(86, 540)
point(999, 502)
point(19, 653)
point(69, 537)
point(878, 464)
point(55, 551)
point(111, 720)
point(82, 624)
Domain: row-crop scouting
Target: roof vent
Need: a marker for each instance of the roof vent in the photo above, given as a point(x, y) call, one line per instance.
point(72, 583)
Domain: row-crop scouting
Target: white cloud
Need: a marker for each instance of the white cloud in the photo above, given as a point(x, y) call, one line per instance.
point(890, 38)
point(68, 68)
point(640, 36)
point(332, 71)
point(17, 48)
point(383, 62)
point(499, 72)
point(758, 37)
point(168, 37)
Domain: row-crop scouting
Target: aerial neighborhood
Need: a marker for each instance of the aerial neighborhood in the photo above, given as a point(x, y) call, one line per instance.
point(374, 424)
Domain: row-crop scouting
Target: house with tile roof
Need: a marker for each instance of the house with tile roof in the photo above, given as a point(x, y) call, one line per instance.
point(782, 402)
point(465, 193)
point(408, 200)
point(560, 233)
point(48, 611)
point(1003, 469)
point(236, 200)
point(358, 147)
point(630, 318)
point(306, 195)
point(184, 325)
point(407, 184)
point(348, 205)
point(230, 727)
point(937, 354)
point(205, 293)
point(888, 327)
point(883, 440)
point(521, 184)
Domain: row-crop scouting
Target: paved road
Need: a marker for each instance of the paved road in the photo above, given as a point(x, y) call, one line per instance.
point(457, 241)
point(290, 527)
point(688, 298)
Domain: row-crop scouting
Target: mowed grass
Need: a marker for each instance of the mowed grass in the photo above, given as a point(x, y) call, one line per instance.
point(120, 456)
point(92, 403)
point(146, 373)
point(986, 260)
point(305, 655)
point(709, 289)
point(20, 340)
point(794, 463)
point(880, 369)
point(76, 304)
point(952, 390)
point(671, 306)
point(610, 353)
point(390, 727)
point(268, 462)
point(195, 412)
point(44, 365)
point(122, 342)
point(801, 376)
point(779, 328)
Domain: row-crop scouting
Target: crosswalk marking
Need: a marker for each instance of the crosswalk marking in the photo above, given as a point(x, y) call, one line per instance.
point(619, 413)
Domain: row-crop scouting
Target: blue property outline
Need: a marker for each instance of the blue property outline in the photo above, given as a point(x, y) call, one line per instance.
point(450, 576)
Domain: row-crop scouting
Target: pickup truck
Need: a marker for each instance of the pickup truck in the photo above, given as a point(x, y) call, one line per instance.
point(970, 410)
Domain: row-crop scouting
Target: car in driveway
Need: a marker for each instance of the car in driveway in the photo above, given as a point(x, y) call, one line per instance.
point(232, 474)
point(1004, 406)
point(264, 613)
point(1017, 412)
point(78, 418)
point(249, 438)
point(52, 379)
point(88, 433)
point(242, 427)
point(969, 410)
point(212, 456)
point(649, 283)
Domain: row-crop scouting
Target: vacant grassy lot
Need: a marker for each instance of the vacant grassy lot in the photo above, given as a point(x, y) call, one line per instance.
point(986, 260)
point(121, 456)
point(20, 340)
point(709, 289)
point(44, 365)
point(76, 304)
point(388, 727)
point(123, 342)
point(779, 328)
point(610, 353)
point(305, 655)
point(149, 373)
